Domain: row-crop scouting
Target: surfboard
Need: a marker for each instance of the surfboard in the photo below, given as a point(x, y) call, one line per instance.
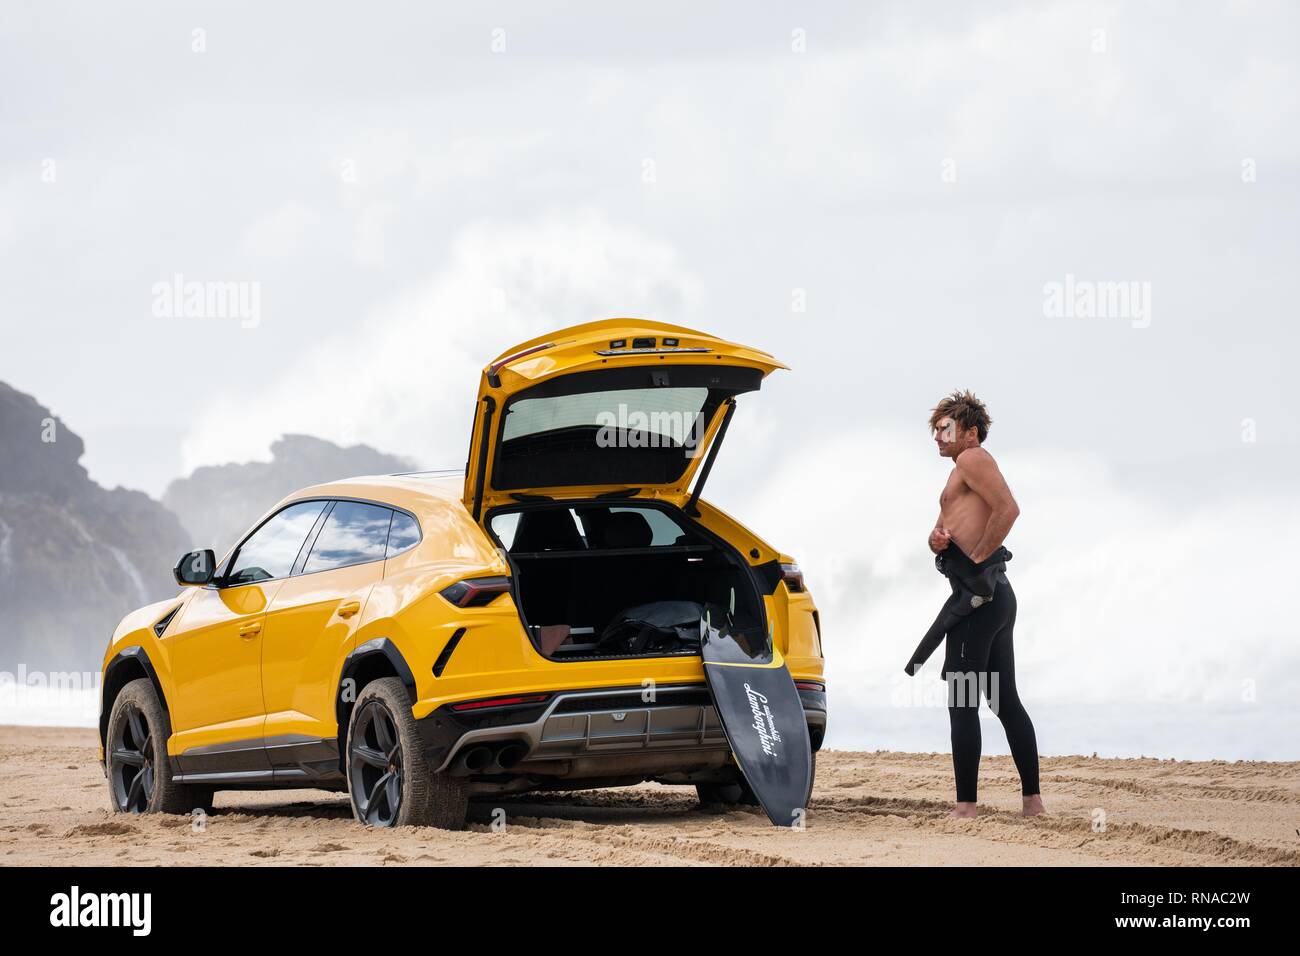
point(762, 716)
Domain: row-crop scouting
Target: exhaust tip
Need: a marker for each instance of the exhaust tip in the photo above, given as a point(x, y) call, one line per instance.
point(510, 754)
point(476, 758)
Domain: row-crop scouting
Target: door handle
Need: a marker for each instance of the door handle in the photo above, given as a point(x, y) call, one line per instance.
point(250, 631)
point(348, 609)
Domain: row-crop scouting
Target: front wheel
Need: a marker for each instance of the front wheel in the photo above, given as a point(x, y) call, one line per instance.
point(135, 757)
point(389, 781)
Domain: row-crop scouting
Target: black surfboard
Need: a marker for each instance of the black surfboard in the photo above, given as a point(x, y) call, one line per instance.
point(761, 714)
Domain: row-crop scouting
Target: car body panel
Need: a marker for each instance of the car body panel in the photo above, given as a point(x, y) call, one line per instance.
point(214, 669)
point(308, 632)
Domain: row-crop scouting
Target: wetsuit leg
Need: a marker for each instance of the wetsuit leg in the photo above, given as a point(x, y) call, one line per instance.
point(964, 666)
point(1004, 700)
point(964, 722)
point(966, 669)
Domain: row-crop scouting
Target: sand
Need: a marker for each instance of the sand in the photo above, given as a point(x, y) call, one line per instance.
point(867, 808)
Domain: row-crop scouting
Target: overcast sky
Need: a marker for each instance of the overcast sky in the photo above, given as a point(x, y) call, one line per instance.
point(883, 195)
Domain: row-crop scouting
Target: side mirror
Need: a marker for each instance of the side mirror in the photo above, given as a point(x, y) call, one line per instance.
point(196, 568)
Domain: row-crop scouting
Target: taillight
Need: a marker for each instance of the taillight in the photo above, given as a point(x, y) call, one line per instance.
point(793, 577)
point(500, 702)
point(809, 685)
point(475, 592)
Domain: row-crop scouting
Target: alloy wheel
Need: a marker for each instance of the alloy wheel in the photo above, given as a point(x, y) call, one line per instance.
point(131, 762)
point(375, 766)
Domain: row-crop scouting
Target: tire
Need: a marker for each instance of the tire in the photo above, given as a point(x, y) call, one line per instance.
point(812, 782)
point(135, 757)
point(734, 794)
point(386, 766)
point(738, 792)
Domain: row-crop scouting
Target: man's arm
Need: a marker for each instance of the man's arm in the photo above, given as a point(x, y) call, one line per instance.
point(939, 537)
point(981, 474)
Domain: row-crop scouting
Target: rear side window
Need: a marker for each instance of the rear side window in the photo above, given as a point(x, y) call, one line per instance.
point(664, 530)
point(354, 533)
point(504, 527)
point(402, 534)
point(270, 551)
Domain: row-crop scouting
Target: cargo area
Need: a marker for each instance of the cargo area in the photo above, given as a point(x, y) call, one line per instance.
point(612, 580)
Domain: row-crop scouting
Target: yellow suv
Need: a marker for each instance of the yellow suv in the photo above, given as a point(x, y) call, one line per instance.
point(417, 639)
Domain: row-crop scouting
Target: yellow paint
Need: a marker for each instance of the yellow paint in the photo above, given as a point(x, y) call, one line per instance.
point(304, 644)
point(776, 661)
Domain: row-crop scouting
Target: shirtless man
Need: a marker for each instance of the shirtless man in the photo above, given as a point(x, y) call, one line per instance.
point(976, 512)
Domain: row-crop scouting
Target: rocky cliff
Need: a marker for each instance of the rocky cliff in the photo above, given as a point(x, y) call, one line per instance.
point(74, 556)
point(218, 503)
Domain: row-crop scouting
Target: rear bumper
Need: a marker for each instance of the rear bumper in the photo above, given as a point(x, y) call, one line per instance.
point(614, 722)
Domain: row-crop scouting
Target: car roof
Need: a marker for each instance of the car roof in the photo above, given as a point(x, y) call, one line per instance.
point(414, 491)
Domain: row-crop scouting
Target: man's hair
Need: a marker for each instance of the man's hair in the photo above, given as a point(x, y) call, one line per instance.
point(966, 410)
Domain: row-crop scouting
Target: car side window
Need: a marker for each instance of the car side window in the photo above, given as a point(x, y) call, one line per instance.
point(664, 530)
point(270, 551)
point(403, 533)
point(354, 532)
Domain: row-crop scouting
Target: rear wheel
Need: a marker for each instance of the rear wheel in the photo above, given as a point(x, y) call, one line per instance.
point(135, 757)
point(389, 781)
point(738, 793)
point(734, 794)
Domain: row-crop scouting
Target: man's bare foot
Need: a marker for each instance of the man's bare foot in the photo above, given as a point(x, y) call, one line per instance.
point(1033, 806)
point(963, 811)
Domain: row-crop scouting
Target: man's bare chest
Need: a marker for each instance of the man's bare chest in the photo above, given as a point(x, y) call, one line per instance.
point(953, 491)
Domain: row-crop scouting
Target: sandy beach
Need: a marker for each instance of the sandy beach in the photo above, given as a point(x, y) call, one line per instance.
point(868, 808)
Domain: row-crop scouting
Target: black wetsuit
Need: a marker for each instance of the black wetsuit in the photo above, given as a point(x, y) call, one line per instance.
point(980, 661)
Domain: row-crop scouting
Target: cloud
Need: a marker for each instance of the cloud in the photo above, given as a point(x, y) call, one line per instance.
point(405, 378)
point(280, 233)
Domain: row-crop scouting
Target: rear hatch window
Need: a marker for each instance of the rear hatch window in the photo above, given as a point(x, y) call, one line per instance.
point(602, 428)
